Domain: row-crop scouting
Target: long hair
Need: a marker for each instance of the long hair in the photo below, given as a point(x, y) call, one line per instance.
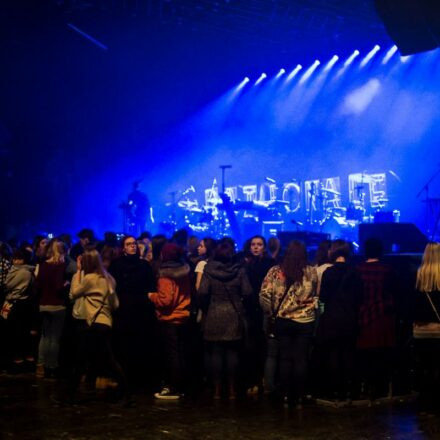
point(294, 262)
point(210, 245)
point(56, 251)
point(428, 275)
point(91, 263)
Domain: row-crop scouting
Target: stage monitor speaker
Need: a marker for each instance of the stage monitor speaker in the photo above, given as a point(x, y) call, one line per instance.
point(396, 237)
point(309, 238)
point(414, 25)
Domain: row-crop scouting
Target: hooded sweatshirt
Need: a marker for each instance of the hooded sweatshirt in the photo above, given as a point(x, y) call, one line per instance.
point(19, 282)
point(224, 286)
point(173, 296)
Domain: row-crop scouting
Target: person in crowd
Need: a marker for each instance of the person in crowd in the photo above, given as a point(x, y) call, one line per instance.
point(322, 260)
point(172, 303)
point(135, 321)
point(86, 239)
point(157, 243)
point(192, 252)
point(426, 329)
point(289, 297)
point(338, 328)
point(51, 285)
point(67, 240)
point(5, 264)
point(18, 310)
point(224, 284)
point(93, 290)
point(40, 244)
point(205, 251)
point(377, 319)
point(274, 248)
point(257, 265)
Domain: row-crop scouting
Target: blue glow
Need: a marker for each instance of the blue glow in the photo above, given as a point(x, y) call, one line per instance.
point(280, 73)
point(370, 55)
point(331, 63)
point(294, 72)
point(405, 59)
point(351, 58)
point(260, 79)
point(389, 54)
point(308, 73)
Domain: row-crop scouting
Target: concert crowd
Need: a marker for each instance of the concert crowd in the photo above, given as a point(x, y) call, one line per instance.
point(178, 317)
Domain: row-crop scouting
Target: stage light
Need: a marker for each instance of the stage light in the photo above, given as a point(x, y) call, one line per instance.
point(243, 83)
point(280, 73)
point(404, 59)
point(370, 55)
point(351, 58)
point(331, 63)
point(308, 73)
point(261, 78)
point(389, 54)
point(293, 73)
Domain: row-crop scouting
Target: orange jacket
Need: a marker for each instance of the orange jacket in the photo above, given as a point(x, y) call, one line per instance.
point(173, 296)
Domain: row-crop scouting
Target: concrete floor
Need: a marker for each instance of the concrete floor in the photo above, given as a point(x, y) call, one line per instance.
point(27, 412)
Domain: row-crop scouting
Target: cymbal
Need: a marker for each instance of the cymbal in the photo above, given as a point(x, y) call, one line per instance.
point(332, 191)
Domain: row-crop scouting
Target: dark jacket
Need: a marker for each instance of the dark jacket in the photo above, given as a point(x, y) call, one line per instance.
point(134, 280)
point(341, 293)
point(224, 286)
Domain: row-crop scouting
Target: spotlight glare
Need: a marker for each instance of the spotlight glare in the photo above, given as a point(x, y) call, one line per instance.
point(308, 73)
point(351, 58)
point(239, 87)
point(331, 63)
point(280, 73)
point(404, 59)
point(261, 78)
point(370, 55)
point(293, 73)
point(389, 54)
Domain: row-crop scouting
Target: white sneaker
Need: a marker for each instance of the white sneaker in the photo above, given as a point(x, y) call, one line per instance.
point(165, 394)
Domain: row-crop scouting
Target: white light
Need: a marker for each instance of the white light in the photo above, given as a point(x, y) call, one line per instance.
point(293, 73)
point(389, 54)
point(280, 73)
point(262, 76)
point(331, 63)
point(308, 73)
point(405, 58)
point(370, 55)
point(351, 58)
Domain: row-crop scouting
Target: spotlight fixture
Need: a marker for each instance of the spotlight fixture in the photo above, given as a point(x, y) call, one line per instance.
point(261, 78)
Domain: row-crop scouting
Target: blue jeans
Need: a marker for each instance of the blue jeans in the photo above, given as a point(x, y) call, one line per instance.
point(271, 364)
point(52, 328)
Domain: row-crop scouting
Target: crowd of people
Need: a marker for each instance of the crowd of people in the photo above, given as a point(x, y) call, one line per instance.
point(181, 316)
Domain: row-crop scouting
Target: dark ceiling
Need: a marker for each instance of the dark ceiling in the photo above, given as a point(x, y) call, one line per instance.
point(78, 76)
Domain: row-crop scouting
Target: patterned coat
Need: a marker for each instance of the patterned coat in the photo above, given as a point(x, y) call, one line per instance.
point(301, 300)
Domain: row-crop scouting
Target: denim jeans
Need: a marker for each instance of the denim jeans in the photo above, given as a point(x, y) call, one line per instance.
point(52, 329)
point(271, 364)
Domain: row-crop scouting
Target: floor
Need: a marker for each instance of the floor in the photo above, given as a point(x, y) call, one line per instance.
point(27, 412)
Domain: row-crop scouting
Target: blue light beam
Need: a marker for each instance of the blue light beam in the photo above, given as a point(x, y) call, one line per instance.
point(331, 63)
point(261, 78)
point(294, 72)
point(370, 55)
point(308, 73)
point(389, 54)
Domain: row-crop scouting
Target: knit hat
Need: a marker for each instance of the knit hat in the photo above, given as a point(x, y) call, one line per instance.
point(171, 252)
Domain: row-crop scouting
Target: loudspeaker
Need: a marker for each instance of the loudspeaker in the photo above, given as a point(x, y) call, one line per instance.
point(414, 25)
point(396, 237)
point(309, 238)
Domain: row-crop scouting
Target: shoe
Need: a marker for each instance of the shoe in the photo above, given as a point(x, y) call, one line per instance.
point(166, 394)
